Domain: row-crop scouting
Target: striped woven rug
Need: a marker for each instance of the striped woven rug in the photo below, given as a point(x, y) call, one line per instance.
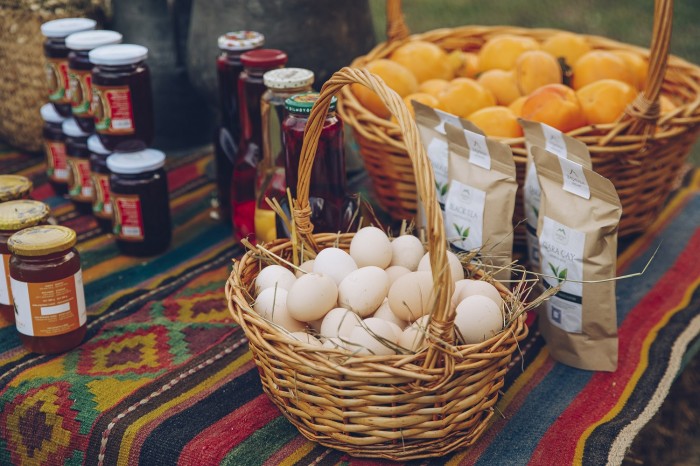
point(165, 378)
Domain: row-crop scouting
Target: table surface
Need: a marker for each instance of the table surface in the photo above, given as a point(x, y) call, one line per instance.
point(165, 377)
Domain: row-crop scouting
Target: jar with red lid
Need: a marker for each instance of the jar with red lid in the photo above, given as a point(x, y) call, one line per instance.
point(250, 89)
point(140, 203)
point(55, 149)
point(80, 72)
point(228, 135)
point(122, 102)
point(99, 173)
point(56, 54)
point(78, 156)
point(47, 289)
point(15, 216)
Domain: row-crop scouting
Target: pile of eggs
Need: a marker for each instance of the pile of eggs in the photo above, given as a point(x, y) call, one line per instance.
point(376, 299)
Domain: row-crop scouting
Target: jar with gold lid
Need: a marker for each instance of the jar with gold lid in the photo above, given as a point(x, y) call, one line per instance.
point(14, 187)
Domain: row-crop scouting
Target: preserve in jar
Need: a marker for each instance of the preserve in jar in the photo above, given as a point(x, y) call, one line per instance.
point(47, 288)
point(140, 204)
point(281, 84)
point(122, 102)
point(15, 216)
point(250, 89)
point(78, 156)
point(80, 72)
point(99, 173)
point(228, 134)
point(55, 149)
point(56, 54)
point(13, 187)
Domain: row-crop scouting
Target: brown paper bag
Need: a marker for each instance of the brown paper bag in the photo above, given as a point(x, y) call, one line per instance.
point(577, 230)
point(481, 198)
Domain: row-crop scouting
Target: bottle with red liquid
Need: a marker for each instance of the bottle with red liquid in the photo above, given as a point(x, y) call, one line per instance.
point(243, 178)
point(228, 134)
point(332, 209)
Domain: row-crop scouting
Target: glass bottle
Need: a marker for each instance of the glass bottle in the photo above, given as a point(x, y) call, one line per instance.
point(102, 200)
point(227, 138)
point(281, 84)
point(55, 149)
point(78, 157)
point(243, 178)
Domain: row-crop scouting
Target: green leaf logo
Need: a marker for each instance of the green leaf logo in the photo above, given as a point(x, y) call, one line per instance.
point(560, 274)
point(463, 232)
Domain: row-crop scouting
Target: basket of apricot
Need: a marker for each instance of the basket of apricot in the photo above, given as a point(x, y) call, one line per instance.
point(636, 109)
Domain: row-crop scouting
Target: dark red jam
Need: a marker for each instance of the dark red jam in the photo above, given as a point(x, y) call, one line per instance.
point(55, 149)
point(102, 198)
point(80, 189)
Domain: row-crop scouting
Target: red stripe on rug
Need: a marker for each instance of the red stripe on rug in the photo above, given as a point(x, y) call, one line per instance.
point(43, 192)
point(180, 176)
point(559, 442)
point(213, 444)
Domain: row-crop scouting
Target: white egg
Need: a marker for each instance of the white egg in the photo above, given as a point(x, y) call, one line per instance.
point(413, 336)
point(362, 338)
point(396, 329)
point(385, 312)
point(363, 290)
point(306, 338)
point(335, 263)
point(271, 304)
point(307, 266)
point(395, 271)
point(339, 322)
point(411, 296)
point(455, 265)
point(467, 287)
point(407, 251)
point(274, 275)
point(371, 246)
point(478, 318)
point(333, 343)
point(311, 297)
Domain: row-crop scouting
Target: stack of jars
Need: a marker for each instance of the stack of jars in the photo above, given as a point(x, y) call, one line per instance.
point(98, 126)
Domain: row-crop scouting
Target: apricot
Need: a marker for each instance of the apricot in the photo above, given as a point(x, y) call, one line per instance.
point(433, 86)
point(604, 101)
point(534, 69)
point(464, 96)
point(497, 121)
point(566, 45)
point(637, 64)
point(395, 75)
point(468, 64)
point(600, 64)
point(555, 105)
point(427, 99)
point(425, 60)
point(502, 85)
point(517, 105)
point(501, 52)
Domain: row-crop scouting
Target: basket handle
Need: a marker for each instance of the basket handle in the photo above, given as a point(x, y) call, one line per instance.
point(442, 319)
point(396, 28)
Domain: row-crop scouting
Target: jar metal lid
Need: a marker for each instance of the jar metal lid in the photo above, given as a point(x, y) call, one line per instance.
point(50, 115)
point(241, 40)
point(132, 163)
point(261, 58)
point(302, 103)
point(41, 240)
point(88, 40)
point(14, 187)
point(23, 213)
point(95, 145)
point(64, 27)
point(288, 78)
point(70, 128)
point(118, 54)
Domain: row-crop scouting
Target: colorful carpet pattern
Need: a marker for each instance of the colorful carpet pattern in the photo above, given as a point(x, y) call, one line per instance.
point(165, 378)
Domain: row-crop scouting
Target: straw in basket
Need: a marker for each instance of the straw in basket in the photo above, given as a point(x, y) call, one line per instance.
point(400, 406)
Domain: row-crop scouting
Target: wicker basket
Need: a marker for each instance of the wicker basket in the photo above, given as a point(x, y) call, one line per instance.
point(398, 407)
point(642, 154)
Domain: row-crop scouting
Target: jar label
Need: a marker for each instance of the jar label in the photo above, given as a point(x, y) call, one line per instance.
point(102, 205)
point(128, 217)
point(81, 92)
point(49, 308)
point(5, 290)
point(56, 161)
point(113, 110)
point(57, 77)
point(79, 183)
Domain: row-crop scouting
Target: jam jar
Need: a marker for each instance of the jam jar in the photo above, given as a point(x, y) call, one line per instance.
point(78, 156)
point(55, 149)
point(281, 84)
point(14, 187)
point(101, 199)
point(80, 72)
point(15, 216)
point(140, 203)
point(122, 103)
point(228, 135)
point(56, 54)
point(47, 288)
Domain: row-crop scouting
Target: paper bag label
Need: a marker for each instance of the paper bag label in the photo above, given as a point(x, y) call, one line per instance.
point(574, 179)
point(464, 216)
point(554, 141)
point(438, 155)
point(479, 154)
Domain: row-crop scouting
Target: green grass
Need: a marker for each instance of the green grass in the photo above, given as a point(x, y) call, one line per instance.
point(628, 21)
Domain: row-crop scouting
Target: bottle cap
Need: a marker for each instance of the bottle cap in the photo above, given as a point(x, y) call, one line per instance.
point(64, 27)
point(41, 240)
point(50, 115)
point(264, 58)
point(14, 187)
point(302, 103)
point(88, 40)
point(241, 40)
point(118, 54)
point(288, 78)
point(95, 145)
point(23, 213)
point(70, 128)
point(132, 163)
